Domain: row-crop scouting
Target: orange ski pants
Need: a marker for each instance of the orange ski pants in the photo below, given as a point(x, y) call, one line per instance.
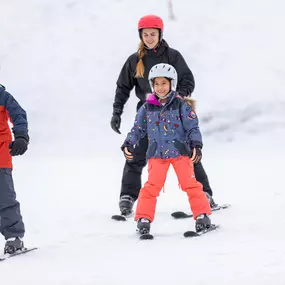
point(157, 172)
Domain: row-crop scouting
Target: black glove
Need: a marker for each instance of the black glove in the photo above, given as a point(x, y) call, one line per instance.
point(116, 123)
point(19, 146)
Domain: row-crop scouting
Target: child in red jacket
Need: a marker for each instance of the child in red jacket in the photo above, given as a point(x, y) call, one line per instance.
point(11, 222)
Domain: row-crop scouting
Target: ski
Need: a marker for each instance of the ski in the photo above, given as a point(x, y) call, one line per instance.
point(146, 237)
point(121, 217)
point(18, 252)
point(183, 215)
point(190, 234)
point(187, 234)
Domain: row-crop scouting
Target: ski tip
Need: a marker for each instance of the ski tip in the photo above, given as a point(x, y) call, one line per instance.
point(146, 237)
point(180, 215)
point(30, 248)
point(225, 206)
point(190, 234)
point(119, 218)
point(221, 207)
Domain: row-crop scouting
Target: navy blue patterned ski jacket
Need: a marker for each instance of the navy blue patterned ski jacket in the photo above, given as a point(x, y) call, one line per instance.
point(172, 129)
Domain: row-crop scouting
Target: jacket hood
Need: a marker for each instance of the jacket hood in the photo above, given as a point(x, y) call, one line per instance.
point(191, 102)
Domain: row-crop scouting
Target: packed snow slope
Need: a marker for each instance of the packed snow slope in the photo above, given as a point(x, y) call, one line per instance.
point(61, 60)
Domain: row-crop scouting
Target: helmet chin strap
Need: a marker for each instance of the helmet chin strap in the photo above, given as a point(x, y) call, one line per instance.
point(163, 97)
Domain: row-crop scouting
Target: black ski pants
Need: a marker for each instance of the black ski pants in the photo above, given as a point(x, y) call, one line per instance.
point(11, 222)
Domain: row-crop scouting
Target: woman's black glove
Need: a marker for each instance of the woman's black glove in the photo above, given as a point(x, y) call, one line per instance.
point(116, 123)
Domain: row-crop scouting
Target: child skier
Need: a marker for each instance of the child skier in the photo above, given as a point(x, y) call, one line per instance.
point(11, 222)
point(173, 133)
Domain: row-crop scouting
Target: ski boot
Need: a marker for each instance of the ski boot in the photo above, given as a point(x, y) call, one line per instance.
point(203, 222)
point(13, 244)
point(143, 226)
point(126, 205)
point(213, 205)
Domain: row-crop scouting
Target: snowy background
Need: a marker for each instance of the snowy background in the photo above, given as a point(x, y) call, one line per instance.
point(61, 60)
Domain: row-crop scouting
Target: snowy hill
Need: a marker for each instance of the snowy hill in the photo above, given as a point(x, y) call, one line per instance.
point(61, 61)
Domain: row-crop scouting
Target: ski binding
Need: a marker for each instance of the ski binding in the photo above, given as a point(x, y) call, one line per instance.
point(190, 234)
point(18, 252)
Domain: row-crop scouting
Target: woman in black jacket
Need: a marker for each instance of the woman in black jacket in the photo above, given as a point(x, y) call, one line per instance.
point(153, 49)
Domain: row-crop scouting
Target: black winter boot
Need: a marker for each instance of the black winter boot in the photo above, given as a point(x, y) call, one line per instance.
point(202, 222)
point(13, 244)
point(211, 201)
point(126, 205)
point(143, 226)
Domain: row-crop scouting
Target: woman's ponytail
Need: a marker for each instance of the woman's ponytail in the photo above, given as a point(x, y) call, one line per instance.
point(140, 65)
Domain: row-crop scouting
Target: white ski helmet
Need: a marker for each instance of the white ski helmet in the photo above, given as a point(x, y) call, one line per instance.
point(163, 70)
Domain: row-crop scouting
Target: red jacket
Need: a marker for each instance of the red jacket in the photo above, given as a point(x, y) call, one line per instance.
point(10, 110)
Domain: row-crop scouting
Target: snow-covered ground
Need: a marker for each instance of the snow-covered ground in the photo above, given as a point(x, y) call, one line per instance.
point(61, 59)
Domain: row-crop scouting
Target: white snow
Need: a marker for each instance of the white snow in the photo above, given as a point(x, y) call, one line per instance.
point(61, 60)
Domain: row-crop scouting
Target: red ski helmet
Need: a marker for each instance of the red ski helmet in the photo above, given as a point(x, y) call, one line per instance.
point(151, 21)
